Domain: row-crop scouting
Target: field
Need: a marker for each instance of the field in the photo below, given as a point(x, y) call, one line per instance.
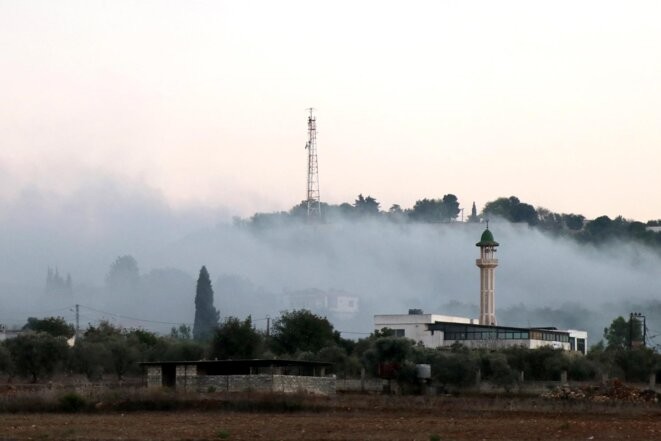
point(355, 417)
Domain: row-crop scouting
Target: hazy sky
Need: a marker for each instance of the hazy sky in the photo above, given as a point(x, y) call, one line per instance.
point(204, 102)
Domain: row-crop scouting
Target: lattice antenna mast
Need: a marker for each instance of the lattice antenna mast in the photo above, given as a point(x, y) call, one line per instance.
point(313, 200)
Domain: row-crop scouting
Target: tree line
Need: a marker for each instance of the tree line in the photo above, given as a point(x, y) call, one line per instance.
point(105, 349)
point(447, 209)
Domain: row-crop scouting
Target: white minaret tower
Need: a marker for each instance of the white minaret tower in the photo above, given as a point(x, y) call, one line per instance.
point(487, 264)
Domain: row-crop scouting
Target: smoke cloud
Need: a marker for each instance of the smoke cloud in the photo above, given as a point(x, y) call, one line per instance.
point(387, 267)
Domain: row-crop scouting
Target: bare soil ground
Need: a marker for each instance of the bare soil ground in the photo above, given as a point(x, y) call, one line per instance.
point(355, 417)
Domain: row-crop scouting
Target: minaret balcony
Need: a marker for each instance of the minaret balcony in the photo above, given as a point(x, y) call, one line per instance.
point(486, 263)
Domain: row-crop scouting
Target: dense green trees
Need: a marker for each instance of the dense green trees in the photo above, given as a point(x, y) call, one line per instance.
point(623, 334)
point(55, 326)
point(301, 331)
point(236, 339)
point(435, 210)
point(36, 354)
point(105, 350)
point(206, 315)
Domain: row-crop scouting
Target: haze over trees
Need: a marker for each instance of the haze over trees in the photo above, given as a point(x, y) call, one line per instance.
point(446, 209)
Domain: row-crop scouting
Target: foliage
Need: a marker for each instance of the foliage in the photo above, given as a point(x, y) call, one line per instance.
point(366, 206)
point(301, 330)
point(123, 275)
point(71, 402)
point(5, 360)
point(206, 315)
point(457, 368)
point(511, 209)
point(391, 351)
point(623, 333)
point(183, 332)
point(90, 358)
point(55, 326)
point(37, 354)
point(236, 339)
point(435, 210)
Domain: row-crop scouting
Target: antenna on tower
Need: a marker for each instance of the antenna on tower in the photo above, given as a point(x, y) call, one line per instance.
point(313, 200)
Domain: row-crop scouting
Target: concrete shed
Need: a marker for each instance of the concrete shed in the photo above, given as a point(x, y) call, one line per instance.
point(259, 375)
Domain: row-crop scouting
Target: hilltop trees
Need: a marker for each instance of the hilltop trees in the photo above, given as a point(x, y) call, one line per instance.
point(435, 210)
point(512, 209)
point(206, 315)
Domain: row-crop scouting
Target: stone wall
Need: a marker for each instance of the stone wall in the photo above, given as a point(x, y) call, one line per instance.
point(260, 383)
point(154, 376)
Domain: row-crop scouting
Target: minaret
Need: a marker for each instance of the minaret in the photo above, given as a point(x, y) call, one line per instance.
point(487, 264)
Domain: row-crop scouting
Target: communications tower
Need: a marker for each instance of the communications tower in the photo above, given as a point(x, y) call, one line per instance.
point(487, 264)
point(313, 200)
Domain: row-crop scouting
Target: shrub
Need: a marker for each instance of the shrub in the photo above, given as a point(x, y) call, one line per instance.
point(72, 402)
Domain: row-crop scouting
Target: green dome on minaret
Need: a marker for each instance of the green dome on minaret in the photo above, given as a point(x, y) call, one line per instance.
point(487, 239)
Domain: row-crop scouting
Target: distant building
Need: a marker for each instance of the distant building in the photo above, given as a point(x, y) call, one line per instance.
point(339, 304)
point(8, 333)
point(435, 330)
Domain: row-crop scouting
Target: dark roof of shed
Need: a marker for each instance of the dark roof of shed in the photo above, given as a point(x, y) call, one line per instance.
point(242, 363)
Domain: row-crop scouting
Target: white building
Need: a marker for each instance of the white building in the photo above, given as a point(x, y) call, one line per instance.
point(435, 330)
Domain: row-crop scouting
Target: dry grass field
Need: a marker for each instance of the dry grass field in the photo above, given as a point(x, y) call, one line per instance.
point(354, 417)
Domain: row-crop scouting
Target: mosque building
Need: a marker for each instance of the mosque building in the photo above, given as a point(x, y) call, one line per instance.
point(435, 330)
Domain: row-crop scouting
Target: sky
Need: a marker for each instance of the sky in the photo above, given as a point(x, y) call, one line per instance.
point(202, 103)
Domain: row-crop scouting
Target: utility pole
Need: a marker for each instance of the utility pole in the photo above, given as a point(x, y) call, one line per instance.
point(637, 316)
point(77, 319)
point(313, 199)
point(268, 326)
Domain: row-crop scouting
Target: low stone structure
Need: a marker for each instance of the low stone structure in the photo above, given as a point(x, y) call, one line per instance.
point(285, 376)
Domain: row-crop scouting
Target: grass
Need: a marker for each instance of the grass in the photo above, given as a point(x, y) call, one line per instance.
point(132, 400)
point(223, 434)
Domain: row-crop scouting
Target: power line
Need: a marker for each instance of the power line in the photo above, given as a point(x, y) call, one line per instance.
point(137, 319)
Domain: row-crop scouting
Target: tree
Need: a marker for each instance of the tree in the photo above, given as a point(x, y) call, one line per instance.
point(449, 207)
point(366, 206)
point(435, 210)
point(183, 332)
point(123, 275)
point(5, 360)
point(511, 209)
point(236, 339)
point(426, 210)
point(301, 330)
point(37, 354)
point(90, 358)
point(622, 332)
point(55, 326)
point(573, 221)
point(206, 315)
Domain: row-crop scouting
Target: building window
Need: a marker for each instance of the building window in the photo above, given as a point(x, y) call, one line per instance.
point(398, 332)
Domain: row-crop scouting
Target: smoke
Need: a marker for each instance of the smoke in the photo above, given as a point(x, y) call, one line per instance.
point(389, 267)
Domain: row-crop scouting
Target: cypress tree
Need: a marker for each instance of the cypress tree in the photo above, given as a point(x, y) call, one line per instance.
point(206, 316)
